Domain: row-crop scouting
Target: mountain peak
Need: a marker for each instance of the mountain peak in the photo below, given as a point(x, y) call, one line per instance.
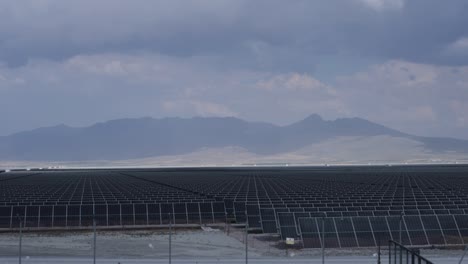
point(313, 118)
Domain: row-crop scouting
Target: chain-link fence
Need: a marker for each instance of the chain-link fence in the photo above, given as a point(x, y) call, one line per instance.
point(195, 238)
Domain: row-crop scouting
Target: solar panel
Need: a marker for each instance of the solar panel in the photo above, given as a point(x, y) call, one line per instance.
point(310, 234)
point(433, 230)
point(219, 211)
point(100, 211)
point(5, 216)
point(331, 236)
point(167, 214)
point(32, 216)
point(87, 214)
point(287, 225)
point(269, 226)
point(345, 231)
point(462, 223)
point(154, 214)
point(450, 229)
point(206, 213)
point(239, 212)
point(364, 234)
point(45, 216)
point(415, 230)
point(398, 229)
point(141, 216)
point(253, 219)
point(127, 214)
point(73, 215)
point(60, 216)
point(193, 213)
point(113, 216)
point(180, 213)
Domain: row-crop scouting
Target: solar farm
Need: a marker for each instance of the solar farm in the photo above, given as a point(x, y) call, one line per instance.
point(336, 206)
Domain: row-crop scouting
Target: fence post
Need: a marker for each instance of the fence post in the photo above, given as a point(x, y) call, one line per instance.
point(94, 240)
point(20, 238)
point(323, 239)
point(400, 231)
point(246, 238)
point(170, 238)
point(463, 256)
point(378, 252)
point(225, 224)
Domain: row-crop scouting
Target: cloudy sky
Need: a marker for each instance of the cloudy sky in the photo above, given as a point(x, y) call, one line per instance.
point(401, 63)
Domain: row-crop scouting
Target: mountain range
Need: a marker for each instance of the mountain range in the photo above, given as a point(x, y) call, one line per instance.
point(140, 138)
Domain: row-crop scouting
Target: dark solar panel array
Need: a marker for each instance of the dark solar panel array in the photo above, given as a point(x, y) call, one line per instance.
point(273, 200)
point(74, 198)
point(416, 230)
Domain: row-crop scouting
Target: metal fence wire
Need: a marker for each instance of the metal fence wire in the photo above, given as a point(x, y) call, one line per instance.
point(399, 254)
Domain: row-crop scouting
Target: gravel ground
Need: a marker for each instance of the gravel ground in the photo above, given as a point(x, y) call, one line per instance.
point(186, 244)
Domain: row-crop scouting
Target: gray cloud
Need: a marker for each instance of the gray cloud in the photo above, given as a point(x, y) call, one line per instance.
point(418, 98)
point(274, 34)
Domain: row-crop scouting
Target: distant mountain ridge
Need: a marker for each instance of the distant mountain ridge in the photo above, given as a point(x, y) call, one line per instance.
point(148, 137)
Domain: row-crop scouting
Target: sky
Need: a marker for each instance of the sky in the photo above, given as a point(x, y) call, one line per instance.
point(400, 63)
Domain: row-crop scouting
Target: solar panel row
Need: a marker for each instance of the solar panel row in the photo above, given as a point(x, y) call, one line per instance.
point(268, 221)
point(368, 231)
point(112, 214)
